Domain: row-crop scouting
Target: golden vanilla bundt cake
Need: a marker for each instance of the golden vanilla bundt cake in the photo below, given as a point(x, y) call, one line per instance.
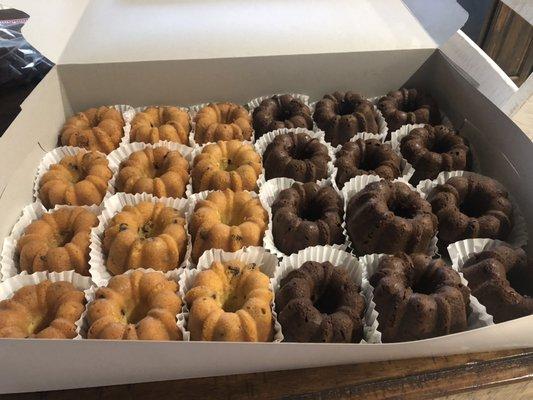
point(58, 241)
point(230, 301)
point(158, 171)
point(47, 310)
point(147, 235)
point(77, 180)
point(161, 123)
point(94, 129)
point(227, 220)
point(222, 121)
point(226, 165)
point(141, 305)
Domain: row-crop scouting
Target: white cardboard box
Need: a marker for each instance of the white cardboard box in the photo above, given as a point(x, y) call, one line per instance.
point(184, 52)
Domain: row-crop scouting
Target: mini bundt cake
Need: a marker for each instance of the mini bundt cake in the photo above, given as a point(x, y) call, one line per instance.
point(227, 220)
point(161, 123)
point(47, 310)
point(98, 129)
point(502, 281)
point(136, 306)
point(222, 121)
point(342, 115)
point(366, 157)
point(319, 302)
point(306, 215)
point(58, 241)
point(230, 301)
point(297, 156)
point(159, 171)
point(281, 111)
point(471, 206)
point(418, 297)
point(390, 217)
point(77, 180)
point(433, 149)
point(147, 235)
point(408, 106)
point(226, 165)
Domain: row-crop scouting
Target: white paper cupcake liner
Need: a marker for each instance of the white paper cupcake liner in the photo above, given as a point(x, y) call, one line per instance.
point(112, 206)
point(517, 237)
point(268, 264)
point(14, 283)
point(462, 250)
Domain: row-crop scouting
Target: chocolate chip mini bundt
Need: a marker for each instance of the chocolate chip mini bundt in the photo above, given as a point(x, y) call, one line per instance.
point(390, 217)
point(47, 310)
point(471, 206)
point(366, 157)
point(408, 106)
point(230, 302)
point(77, 180)
point(433, 149)
point(306, 215)
point(158, 171)
point(319, 302)
point(342, 115)
point(502, 281)
point(161, 123)
point(58, 241)
point(222, 121)
point(297, 156)
point(136, 306)
point(418, 298)
point(98, 129)
point(281, 111)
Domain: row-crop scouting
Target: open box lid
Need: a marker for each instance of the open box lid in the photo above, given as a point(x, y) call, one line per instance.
point(105, 31)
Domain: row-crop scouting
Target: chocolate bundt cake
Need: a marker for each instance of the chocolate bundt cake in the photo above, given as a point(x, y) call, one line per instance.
point(390, 217)
point(433, 149)
point(471, 206)
point(281, 111)
point(342, 115)
point(306, 215)
point(319, 302)
point(502, 281)
point(408, 106)
point(418, 298)
point(297, 156)
point(366, 157)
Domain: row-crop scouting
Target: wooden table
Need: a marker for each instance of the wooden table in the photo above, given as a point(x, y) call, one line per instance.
point(496, 375)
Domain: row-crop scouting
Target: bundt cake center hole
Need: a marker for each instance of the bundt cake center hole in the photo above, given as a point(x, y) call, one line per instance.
point(440, 145)
point(63, 237)
point(346, 107)
point(472, 207)
point(42, 323)
point(137, 314)
point(402, 209)
point(147, 230)
point(424, 285)
point(227, 164)
point(311, 213)
point(233, 303)
point(77, 174)
point(300, 153)
point(327, 302)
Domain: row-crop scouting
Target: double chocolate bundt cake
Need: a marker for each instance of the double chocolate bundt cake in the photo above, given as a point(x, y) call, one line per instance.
point(161, 123)
point(227, 220)
point(366, 157)
point(433, 149)
point(408, 106)
point(471, 206)
point(98, 129)
point(146, 235)
point(222, 121)
point(58, 241)
point(77, 180)
point(141, 305)
point(47, 310)
point(502, 281)
point(230, 301)
point(418, 298)
point(297, 156)
point(281, 111)
point(390, 217)
point(306, 215)
point(342, 115)
point(158, 171)
point(226, 165)
point(319, 302)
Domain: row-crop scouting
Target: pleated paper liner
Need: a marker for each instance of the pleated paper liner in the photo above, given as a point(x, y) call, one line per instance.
point(462, 250)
